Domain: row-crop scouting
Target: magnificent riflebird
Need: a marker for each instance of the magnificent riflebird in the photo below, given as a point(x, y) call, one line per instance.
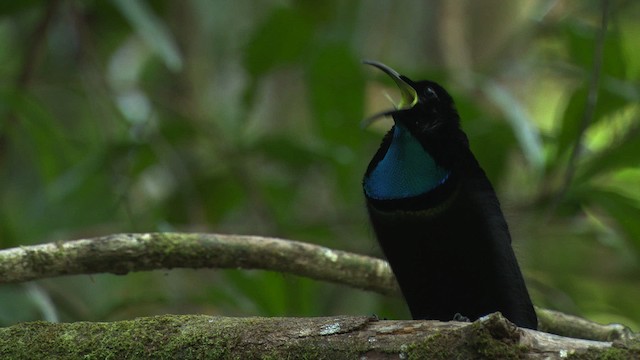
point(436, 215)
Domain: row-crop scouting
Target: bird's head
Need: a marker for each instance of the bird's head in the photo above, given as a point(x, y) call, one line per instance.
point(425, 108)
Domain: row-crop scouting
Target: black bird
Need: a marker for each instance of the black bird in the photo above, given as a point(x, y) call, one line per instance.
point(437, 217)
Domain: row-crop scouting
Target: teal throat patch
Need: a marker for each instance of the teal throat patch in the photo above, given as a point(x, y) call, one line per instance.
point(406, 170)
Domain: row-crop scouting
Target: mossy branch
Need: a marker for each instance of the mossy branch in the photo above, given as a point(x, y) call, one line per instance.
point(123, 253)
point(207, 337)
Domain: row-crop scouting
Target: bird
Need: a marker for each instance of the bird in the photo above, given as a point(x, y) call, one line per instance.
point(436, 216)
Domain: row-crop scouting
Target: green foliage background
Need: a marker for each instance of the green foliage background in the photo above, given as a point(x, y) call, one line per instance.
point(243, 117)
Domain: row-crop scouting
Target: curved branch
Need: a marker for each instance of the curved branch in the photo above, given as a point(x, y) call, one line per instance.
point(123, 253)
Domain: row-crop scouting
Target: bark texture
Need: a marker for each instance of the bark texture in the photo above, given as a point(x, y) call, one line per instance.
point(206, 337)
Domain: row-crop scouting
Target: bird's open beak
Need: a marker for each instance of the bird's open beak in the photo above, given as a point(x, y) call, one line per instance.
point(409, 96)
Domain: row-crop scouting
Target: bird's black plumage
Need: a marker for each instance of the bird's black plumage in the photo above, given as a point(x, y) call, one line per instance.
point(437, 217)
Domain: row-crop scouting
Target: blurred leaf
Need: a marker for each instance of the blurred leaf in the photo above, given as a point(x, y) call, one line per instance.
point(17, 306)
point(140, 155)
point(50, 145)
point(607, 103)
point(622, 154)
point(624, 210)
point(219, 194)
point(94, 199)
point(288, 152)
point(280, 40)
point(336, 86)
point(522, 125)
point(267, 290)
point(11, 7)
point(71, 179)
point(177, 130)
point(152, 30)
point(336, 90)
point(42, 301)
point(571, 120)
point(483, 130)
point(493, 159)
point(581, 40)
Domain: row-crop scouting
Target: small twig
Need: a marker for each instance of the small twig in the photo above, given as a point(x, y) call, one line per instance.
point(592, 97)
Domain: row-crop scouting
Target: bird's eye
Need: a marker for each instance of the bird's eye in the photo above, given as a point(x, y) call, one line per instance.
point(430, 94)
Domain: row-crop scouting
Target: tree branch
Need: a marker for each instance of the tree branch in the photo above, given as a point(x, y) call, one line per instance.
point(207, 337)
point(123, 253)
